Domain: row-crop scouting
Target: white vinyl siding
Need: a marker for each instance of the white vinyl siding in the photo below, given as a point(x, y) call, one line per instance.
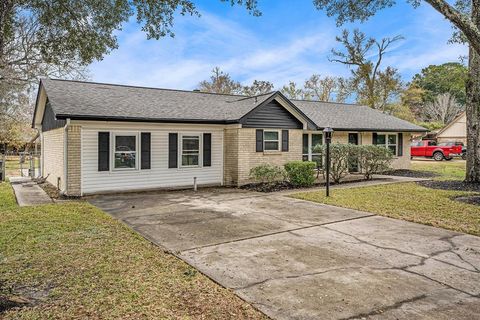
point(159, 176)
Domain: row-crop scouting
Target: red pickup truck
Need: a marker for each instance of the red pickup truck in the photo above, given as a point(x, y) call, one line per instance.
point(430, 149)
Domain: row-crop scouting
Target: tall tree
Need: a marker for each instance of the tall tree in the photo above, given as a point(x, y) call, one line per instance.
point(465, 16)
point(413, 98)
point(444, 108)
point(374, 86)
point(258, 87)
point(59, 38)
point(449, 77)
point(326, 88)
point(292, 91)
point(220, 82)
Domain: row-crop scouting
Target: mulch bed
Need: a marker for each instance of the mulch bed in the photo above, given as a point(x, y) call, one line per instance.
point(470, 200)
point(457, 185)
point(285, 185)
point(49, 189)
point(412, 173)
point(268, 187)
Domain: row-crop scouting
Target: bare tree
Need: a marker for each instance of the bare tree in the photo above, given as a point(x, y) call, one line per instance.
point(443, 109)
point(325, 89)
point(258, 87)
point(220, 82)
point(368, 79)
point(292, 91)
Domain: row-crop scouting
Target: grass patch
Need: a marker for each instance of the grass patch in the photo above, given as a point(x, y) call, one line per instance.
point(7, 198)
point(453, 170)
point(73, 261)
point(407, 201)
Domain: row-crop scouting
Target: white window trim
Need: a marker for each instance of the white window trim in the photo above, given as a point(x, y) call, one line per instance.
point(113, 136)
point(386, 144)
point(200, 150)
point(279, 140)
point(310, 153)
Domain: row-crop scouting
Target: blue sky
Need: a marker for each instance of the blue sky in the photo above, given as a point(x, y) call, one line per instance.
point(290, 41)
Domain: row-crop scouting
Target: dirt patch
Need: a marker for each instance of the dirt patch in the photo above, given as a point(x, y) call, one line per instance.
point(412, 173)
point(49, 188)
point(470, 200)
point(451, 185)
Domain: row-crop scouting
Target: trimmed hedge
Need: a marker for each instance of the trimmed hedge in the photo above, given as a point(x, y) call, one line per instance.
point(267, 173)
point(301, 173)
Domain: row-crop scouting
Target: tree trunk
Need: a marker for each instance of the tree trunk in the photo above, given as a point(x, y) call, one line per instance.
point(473, 106)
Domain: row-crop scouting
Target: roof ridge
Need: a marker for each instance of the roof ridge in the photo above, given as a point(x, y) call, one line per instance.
point(330, 102)
point(149, 88)
point(255, 96)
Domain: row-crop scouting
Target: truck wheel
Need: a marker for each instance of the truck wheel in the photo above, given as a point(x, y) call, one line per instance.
point(449, 159)
point(438, 156)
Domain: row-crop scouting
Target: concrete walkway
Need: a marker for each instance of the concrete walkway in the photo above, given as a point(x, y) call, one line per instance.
point(28, 193)
point(294, 259)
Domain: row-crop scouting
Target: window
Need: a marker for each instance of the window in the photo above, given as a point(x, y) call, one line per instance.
point(310, 141)
point(190, 150)
point(305, 147)
point(125, 152)
point(270, 141)
point(317, 140)
point(389, 141)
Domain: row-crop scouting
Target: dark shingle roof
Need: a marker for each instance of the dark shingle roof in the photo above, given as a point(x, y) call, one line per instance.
point(88, 100)
point(77, 99)
point(342, 116)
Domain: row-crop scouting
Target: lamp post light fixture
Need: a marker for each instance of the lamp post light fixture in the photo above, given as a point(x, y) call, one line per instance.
point(328, 138)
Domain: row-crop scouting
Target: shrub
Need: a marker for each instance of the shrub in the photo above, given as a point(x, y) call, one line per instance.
point(374, 159)
point(267, 173)
point(340, 157)
point(301, 173)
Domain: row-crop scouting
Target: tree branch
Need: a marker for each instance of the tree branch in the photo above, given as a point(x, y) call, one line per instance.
point(469, 29)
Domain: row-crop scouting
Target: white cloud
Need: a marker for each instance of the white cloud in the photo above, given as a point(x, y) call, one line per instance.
point(203, 43)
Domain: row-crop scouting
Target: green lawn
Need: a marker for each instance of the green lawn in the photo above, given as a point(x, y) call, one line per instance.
point(72, 261)
point(410, 201)
point(453, 170)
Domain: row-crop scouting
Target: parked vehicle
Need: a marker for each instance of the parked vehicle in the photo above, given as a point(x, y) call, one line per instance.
point(439, 152)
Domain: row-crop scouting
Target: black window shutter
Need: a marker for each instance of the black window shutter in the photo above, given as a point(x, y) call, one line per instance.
point(400, 145)
point(374, 138)
point(285, 140)
point(146, 150)
point(259, 140)
point(103, 151)
point(173, 150)
point(207, 149)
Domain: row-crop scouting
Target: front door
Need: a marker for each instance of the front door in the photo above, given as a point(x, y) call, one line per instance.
point(353, 163)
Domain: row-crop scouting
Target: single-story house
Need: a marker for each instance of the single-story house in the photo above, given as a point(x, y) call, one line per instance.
point(455, 131)
point(104, 138)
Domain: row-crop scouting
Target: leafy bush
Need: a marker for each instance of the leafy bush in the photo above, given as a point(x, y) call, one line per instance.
point(301, 173)
point(374, 159)
point(340, 157)
point(267, 173)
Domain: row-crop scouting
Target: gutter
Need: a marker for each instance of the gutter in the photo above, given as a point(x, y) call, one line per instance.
point(65, 155)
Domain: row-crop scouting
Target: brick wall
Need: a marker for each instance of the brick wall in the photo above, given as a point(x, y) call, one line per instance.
point(53, 161)
point(241, 156)
point(74, 160)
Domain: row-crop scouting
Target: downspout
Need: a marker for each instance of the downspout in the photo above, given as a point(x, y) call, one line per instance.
point(65, 155)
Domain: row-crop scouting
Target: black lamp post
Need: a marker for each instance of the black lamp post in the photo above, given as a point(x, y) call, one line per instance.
point(328, 138)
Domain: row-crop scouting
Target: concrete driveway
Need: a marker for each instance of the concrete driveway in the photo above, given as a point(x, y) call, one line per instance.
point(294, 259)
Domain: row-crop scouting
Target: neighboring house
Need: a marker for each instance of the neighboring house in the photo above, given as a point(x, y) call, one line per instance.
point(104, 138)
point(455, 131)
